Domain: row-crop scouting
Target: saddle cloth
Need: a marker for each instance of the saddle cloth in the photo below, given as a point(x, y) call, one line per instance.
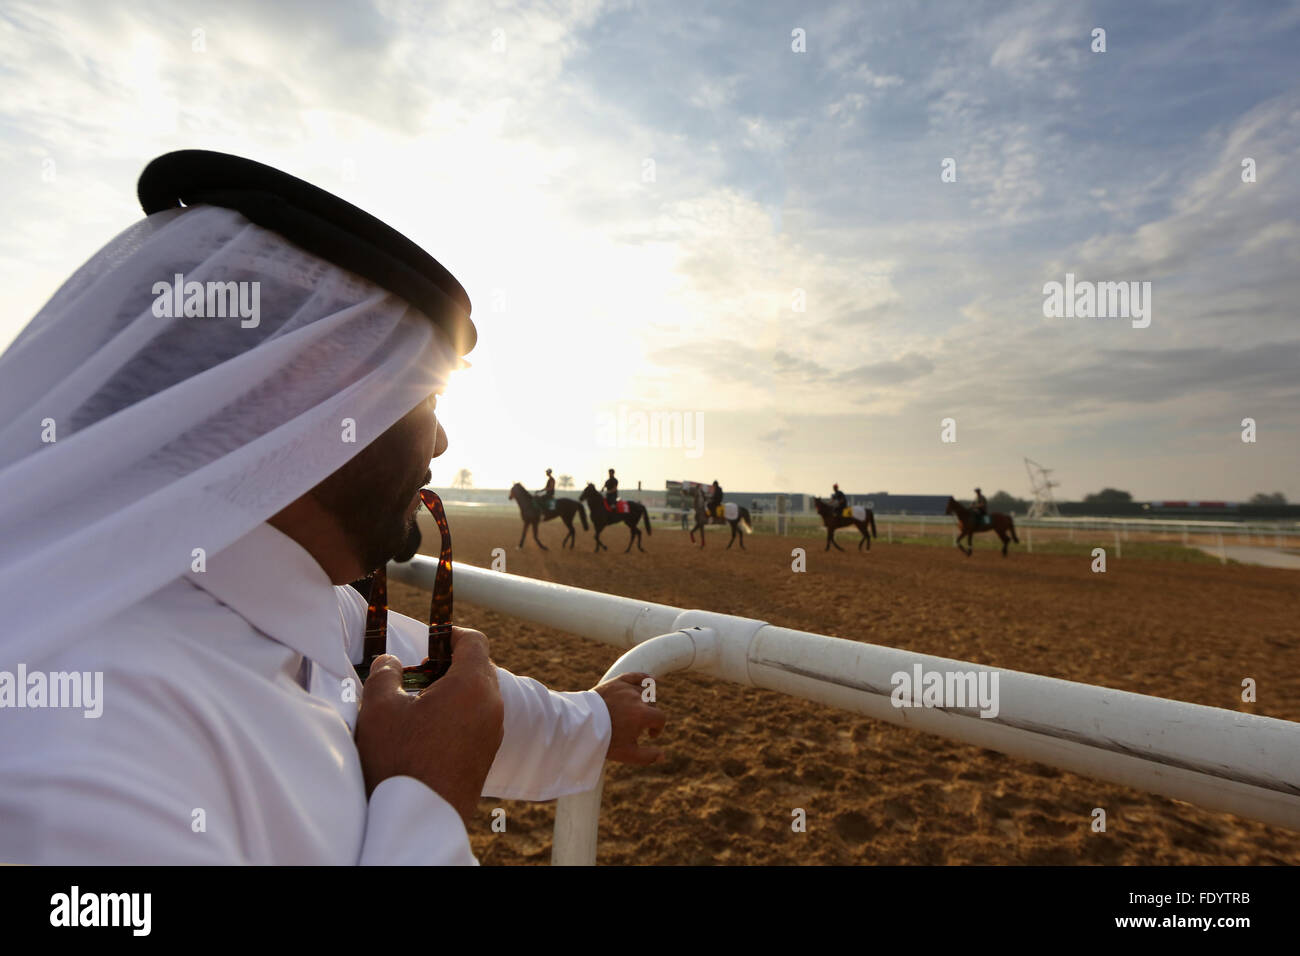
point(730, 511)
point(856, 512)
point(620, 507)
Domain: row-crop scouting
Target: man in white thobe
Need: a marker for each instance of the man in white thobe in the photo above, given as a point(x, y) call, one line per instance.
point(226, 734)
point(184, 495)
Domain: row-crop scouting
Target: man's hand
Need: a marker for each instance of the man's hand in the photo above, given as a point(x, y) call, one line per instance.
point(447, 737)
point(628, 716)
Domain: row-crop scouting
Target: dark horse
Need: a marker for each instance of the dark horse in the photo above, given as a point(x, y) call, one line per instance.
point(832, 518)
point(966, 526)
point(565, 508)
point(739, 525)
point(601, 516)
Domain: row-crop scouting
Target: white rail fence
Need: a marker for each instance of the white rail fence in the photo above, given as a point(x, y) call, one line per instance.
point(1280, 533)
point(1215, 758)
point(1191, 532)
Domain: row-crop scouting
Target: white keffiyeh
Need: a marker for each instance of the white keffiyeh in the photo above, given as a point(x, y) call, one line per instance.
point(175, 434)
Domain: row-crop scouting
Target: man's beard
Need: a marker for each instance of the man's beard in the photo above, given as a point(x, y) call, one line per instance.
point(412, 544)
point(381, 532)
point(372, 514)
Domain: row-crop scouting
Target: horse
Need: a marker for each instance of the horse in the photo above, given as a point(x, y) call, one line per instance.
point(832, 518)
point(966, 526)
point(702, 517)
point(532, 514)
point(601, 515)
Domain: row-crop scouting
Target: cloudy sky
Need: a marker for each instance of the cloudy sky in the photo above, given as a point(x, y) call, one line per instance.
point(740, 215)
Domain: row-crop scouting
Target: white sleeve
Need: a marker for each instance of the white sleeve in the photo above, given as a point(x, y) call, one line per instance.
point(408, 824)
point(555, 742)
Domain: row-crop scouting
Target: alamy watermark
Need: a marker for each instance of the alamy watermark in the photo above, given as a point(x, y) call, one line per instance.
point(129, 910)
point(73, 689)
point(949, 690)
point(1098, 300)
point(211, 300)
point(638, 428)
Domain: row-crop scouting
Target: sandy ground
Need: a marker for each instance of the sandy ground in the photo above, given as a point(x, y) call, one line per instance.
point(740, 760)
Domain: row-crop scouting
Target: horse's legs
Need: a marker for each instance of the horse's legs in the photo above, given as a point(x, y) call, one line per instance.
point(829, 538)
point(522, 536)
point(1003, 535)
point(537, 539)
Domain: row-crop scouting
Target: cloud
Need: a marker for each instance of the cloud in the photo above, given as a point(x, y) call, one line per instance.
point(905, 369)
point(795, 251)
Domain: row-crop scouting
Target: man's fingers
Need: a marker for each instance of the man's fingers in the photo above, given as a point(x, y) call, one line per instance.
point(648, 717)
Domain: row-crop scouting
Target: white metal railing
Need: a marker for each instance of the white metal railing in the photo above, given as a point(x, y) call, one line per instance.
point(1166, 525)
point(1277, 534)
point(1212, 757)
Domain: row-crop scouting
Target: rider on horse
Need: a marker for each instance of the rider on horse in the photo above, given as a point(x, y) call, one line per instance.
point(715, 498)
point(611, 490)
point(546, 497)
point(980, 507)
point(839, 501)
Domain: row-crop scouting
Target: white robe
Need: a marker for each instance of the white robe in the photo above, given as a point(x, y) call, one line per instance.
point(209, 750)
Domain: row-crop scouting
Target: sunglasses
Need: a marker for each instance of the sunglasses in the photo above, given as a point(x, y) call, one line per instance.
point(417, 678)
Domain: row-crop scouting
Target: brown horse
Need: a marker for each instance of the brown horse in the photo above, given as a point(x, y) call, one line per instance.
point(967, 526)
point(601, 515)
point(532, 515)
point(832, 518)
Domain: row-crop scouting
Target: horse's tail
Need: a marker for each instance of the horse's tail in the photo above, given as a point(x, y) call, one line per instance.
point(744, 521)
point(582, 513)
point(1011, 526)
point(645, 513)
point(872, 516)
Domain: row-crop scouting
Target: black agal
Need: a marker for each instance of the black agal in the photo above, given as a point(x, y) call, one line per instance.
point(317, 221)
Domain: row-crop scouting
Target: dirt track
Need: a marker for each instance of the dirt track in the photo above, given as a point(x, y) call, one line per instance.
point(739, 760)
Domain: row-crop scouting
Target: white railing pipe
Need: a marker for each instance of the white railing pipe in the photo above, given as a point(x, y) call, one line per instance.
point(1216, 758)
point(577, 817)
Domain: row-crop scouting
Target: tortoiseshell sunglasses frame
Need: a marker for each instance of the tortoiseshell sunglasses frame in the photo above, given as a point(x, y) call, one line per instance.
point(417, 678)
